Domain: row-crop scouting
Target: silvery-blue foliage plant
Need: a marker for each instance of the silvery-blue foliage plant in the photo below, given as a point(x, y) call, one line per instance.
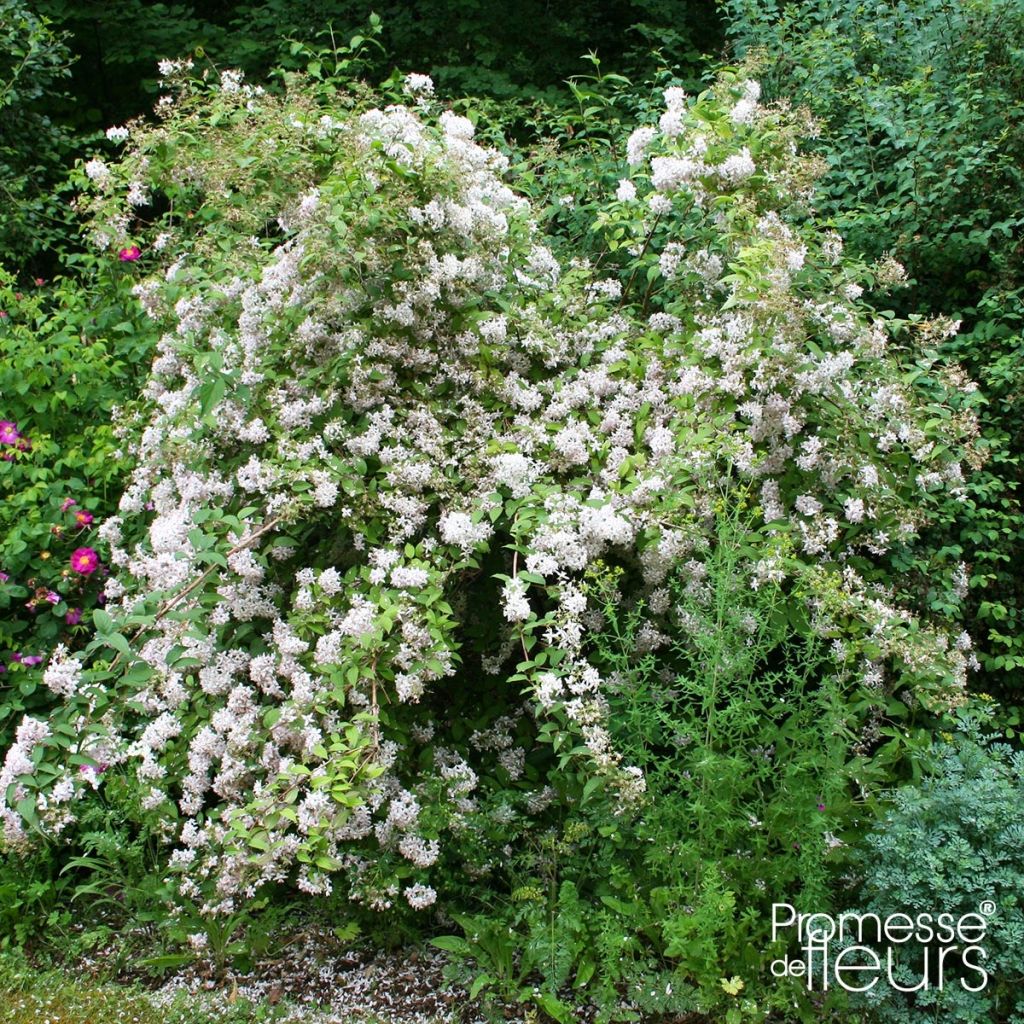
point(952, 845)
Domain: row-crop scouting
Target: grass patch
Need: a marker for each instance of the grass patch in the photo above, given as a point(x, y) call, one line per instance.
point(53, 996)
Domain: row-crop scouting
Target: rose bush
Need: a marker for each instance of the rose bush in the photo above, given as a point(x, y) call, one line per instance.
point(71, 351)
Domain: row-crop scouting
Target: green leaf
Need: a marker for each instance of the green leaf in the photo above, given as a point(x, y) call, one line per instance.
point(479, 983)
point(103, 621)
point(452, 944)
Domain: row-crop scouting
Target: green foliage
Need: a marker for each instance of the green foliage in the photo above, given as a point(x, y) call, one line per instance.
point(33, 898)
point(357, 648)
point(111, 893)
point(745, 729)
point(951, 844)
point(745, 673)
point(519, 50)
point(918, 102)
point(34, 66)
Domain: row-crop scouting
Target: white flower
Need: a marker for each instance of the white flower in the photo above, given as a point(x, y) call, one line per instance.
point(96, 170)
point(636, 145)
point(664, 323)
point(675, 97)
point(669, 173)
point(418, 85)
point(737, 168)
point(409, 577)
point(330, 581)
point(743, 112)
point(421, 852)
point(658, 203)
point(63, 674)
point(515, 471)
point(456, 127)
point(231, 80)
point(360, 620)
point(325, 493)
point(626, 192)
point(420, 896)
point(167, 68)
point(514, 602)
point(854, 508)
point(807, 505)
point(671, 123)
point(459, 529)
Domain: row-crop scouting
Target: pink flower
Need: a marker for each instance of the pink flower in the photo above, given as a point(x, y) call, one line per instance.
point(4, 577)
point(8, 432)
point(129, 255)
point(73, 617)
point(68, 502)
point(53, 597)
point(83, 518)
point(84, 560)
point(32, 659)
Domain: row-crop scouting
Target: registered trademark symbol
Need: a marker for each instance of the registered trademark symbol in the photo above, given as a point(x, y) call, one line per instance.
point(988, 908)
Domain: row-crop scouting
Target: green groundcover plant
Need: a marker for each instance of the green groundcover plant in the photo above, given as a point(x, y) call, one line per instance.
point(397, 468)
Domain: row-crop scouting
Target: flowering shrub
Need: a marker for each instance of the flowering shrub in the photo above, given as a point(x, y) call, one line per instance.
point(919, 103)
point(386, 435)
point(741, 729)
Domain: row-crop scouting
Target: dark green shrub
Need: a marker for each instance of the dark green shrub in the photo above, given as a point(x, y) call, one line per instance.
point(742, 728)
point(520, 50)
point(34, 65)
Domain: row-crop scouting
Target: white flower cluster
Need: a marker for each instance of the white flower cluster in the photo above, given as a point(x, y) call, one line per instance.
point(63, 674)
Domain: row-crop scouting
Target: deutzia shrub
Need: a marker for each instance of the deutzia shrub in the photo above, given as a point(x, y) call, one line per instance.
point(387, 432)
